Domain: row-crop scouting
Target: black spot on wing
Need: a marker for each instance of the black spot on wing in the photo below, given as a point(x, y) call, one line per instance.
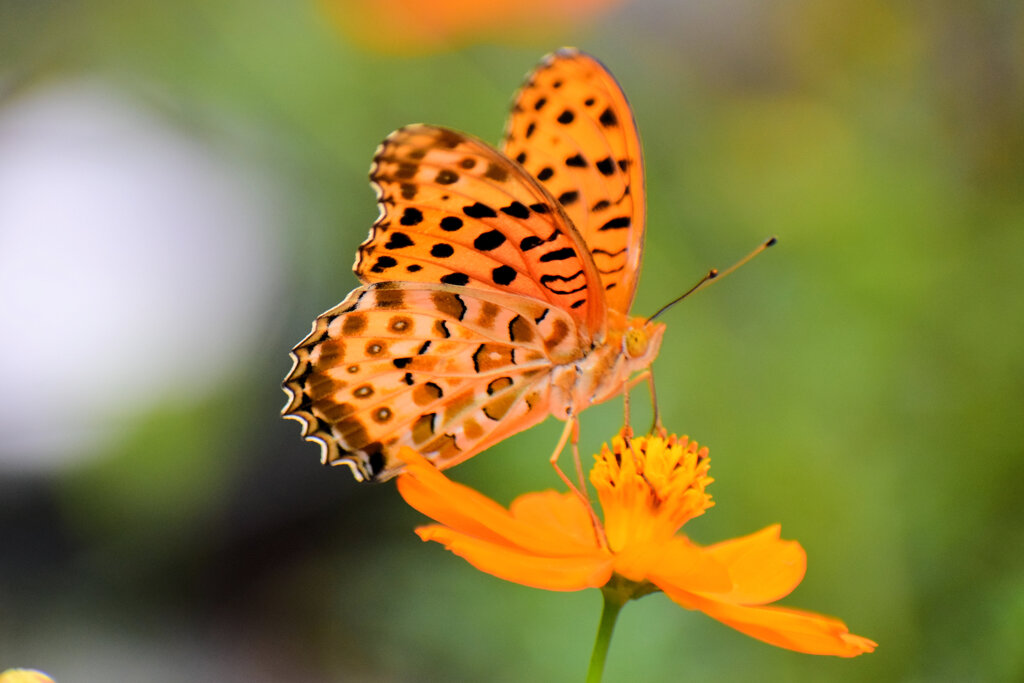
point(530, 242)
point(383, 263)
point(569, 197)
point(492, 239)
point(496, 172)
point(558, 254)
point(451, 223)
point(616, 223)
point(441, 250)
point(503, 275)
point(446, 177)
point(516, 210)
point(479, 210)
point(455, 279)
point(411, 216)
point(546, 280)
point(398, 240)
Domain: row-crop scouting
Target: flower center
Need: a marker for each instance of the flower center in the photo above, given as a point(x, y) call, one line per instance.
point(650, 486)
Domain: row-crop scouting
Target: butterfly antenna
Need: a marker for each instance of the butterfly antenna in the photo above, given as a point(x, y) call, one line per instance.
point(714, 274)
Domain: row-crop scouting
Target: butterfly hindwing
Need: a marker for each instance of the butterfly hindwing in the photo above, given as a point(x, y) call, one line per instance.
point(444, 369)
point(456, 211)
point(572, 129)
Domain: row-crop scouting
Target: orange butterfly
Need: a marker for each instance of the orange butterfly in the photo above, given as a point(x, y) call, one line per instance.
point(497, 284)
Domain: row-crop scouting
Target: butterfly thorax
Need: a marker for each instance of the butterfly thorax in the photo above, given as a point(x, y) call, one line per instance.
point(630, 346)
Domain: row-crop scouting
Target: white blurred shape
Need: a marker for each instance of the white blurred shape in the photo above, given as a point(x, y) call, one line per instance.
point(136, 263)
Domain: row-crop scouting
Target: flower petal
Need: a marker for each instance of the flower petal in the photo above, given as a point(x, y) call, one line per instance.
point(685, 566)
point(763, 567)
point(792, 629)
point(565, 573)
point(424, 488)
point(562, 513)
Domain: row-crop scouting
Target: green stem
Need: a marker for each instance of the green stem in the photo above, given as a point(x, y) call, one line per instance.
point(613, 602)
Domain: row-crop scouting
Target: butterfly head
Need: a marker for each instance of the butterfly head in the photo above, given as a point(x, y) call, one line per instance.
point(641, 341)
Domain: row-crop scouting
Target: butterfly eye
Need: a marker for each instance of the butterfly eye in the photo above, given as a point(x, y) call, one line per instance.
point(636, 343)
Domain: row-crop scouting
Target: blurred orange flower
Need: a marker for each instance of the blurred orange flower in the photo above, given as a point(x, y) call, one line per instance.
point(412, 26)
point(648, 488)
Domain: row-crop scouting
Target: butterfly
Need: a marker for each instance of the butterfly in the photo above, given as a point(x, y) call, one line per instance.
point(496, 283)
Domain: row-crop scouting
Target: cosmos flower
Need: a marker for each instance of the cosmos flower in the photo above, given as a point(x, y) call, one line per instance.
point(414, 26)
point(648, 488)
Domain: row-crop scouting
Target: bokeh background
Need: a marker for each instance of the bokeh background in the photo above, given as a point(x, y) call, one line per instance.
point(182, 189)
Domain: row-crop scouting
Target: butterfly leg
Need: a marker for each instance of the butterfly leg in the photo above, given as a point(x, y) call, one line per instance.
point(657, 427)
point(572, 429)
point(627, 428)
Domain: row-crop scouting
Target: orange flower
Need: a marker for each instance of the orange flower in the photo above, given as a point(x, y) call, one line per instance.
point(413, 26)
point(648, 489)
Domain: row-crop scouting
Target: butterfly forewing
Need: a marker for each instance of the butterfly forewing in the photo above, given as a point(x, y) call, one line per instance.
point(456, 211)
point(444, 369)
point(572, 129)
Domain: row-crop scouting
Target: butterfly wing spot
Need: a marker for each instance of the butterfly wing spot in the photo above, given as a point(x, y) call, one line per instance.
point(488, 241)
point(516, 210)
point(446, 177)
point(496, 172)
point(449, 304)
point(444, 446)
point(458, 404)
point(442, 250)
point(458, 279)
point(383, 263)
point(499, 384)
point(411, 216)
point(423, 428)
point(503, 275)
point(617, 223)
point(427, 393)
point(560, 330)
point(519, 330)
point(400, 324)
point(479, 210)
point(331, 351)
point(488, 312)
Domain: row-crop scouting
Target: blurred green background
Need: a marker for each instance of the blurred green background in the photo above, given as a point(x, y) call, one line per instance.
point(182, 189)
